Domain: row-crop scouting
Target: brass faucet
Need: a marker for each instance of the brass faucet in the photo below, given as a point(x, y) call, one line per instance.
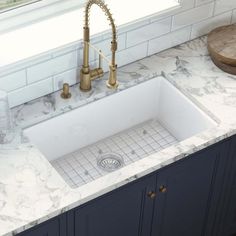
point(86, 74)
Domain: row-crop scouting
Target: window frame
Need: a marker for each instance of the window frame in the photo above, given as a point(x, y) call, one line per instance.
point(28, 13)
point(18, 5)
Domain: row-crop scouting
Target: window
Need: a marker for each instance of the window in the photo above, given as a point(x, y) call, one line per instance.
point(17, 13)
point(39, 36)
point(10, 4)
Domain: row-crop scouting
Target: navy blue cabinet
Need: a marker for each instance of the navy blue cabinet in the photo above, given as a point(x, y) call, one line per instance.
point(126, 211)
point(229, 226)
point(194, 196)
point(225, 218)
point(53, 227)
point(229, 223)
point(179, 200)
point(183, 193)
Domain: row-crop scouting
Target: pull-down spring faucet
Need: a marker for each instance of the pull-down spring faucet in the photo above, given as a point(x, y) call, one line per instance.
point(86, 74)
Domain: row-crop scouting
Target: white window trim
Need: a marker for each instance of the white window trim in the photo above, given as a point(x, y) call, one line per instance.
point(29, 13)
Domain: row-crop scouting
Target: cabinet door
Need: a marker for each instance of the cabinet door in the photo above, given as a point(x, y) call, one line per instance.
point(229, 228)
point(183, 193)
point(226, 225)
point(54, 227)
point(124, 212)
point(49, 229)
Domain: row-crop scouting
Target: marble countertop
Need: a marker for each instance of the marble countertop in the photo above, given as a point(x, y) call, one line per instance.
point(31, 191)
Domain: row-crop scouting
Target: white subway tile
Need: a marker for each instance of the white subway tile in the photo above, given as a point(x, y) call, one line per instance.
point(52, 67)
point(169, 40)
point(200, 2)
point(132, 26)
point(71, 77)
point(192, 16)
point(105, 47)
point(30, 92)
point(121, 40)
point(66, 49)
point(127, 56)
point(21, 65)
point(187, 4)
point(224, 5)
point(6, 70)
point(36, 59)
point(131, 54)
point(13, 81)
point(97, 38)
point(183, 6)
point(234, 17)
point(206, 26)
point(148, 32)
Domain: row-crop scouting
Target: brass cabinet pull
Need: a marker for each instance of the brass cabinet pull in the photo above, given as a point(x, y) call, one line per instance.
point(162, 189)
point(151, 194)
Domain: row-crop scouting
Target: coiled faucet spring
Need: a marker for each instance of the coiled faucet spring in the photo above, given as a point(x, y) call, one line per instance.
point(86, 74)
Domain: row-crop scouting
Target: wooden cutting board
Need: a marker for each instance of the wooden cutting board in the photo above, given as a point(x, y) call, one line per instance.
point(222, 45)
point(226, 68)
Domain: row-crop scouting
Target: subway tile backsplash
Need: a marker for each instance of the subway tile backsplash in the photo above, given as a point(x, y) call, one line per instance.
point(150, 31)
point(13, 81)
point(234, 17)
point(51, 67)
point(193, 16)
point(200, 2)
point(31, 92)
point(207, 25)
point(69, 77)
point(169, 40)
point(44, 74)
point(224, 5)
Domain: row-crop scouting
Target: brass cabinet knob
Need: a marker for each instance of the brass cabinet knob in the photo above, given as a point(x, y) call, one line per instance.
point(66, 91)
point(162, 189)
point(151, 194)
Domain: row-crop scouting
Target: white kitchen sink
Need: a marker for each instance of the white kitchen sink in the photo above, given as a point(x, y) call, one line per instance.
point(127, 125)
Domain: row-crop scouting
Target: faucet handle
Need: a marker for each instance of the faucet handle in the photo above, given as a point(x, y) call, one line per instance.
point(100, 59)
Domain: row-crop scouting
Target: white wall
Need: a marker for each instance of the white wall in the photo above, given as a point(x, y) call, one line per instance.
point(45, 74)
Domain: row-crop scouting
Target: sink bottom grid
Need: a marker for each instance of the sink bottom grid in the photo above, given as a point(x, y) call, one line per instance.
point(81, 167)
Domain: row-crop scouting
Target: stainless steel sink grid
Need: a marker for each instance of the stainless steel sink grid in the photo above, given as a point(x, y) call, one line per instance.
point(81, 167)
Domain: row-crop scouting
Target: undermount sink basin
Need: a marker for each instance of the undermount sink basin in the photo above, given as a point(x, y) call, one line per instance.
point(117, 130)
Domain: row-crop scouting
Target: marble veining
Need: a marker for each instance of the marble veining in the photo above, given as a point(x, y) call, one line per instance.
point(31, 191)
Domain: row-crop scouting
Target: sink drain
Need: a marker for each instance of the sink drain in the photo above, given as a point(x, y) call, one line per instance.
point(110, 162)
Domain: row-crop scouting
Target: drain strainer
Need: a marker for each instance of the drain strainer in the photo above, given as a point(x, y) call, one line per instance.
point(110, 162)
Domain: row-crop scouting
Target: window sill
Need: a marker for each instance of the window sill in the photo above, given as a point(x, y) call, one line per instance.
point(46, 35)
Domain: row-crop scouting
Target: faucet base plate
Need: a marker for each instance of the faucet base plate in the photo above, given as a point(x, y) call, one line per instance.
point(85, 90)
point(115, 86)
